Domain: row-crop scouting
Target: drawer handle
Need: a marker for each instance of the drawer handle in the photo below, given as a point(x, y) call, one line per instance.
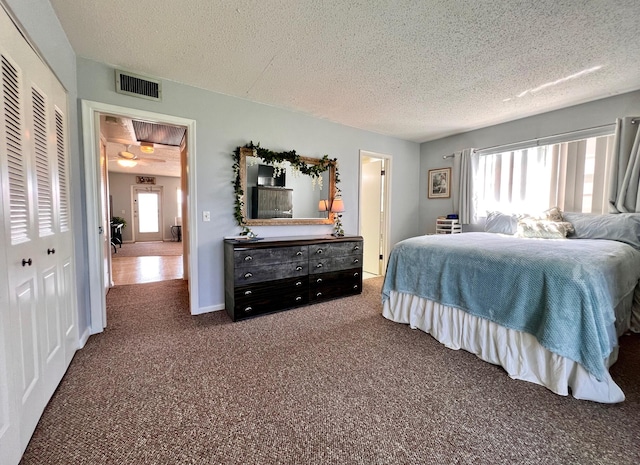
point(248, 309)
point(26, 262)
point(248, 292)
point(248, 275)
point(248, 258)
point(50, 251)
point(356, 274)
point(357, 247)
point(355, 260)
point(298, 268)
point(319, 280)
point(298, 298)
point(319, 251)
point(319, 265)
point(355, 286)
point(319, 294)
point(298, 283)
point(299, 253)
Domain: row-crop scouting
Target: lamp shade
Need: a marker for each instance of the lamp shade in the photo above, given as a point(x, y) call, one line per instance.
point(322, 206)
point(337, 206)
point(146, 147)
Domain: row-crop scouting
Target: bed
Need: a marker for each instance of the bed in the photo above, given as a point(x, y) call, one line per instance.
point(549, 311)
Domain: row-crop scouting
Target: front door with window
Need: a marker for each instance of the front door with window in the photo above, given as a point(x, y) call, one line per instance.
point(147, 214)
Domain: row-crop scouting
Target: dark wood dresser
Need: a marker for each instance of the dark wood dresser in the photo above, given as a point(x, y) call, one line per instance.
point(277, 273)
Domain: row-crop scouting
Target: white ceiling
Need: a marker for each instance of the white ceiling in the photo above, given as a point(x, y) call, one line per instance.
point(418, 70)
point(119, 135)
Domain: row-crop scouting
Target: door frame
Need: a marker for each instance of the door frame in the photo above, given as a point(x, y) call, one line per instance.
point(91, 111)
point(385, 228)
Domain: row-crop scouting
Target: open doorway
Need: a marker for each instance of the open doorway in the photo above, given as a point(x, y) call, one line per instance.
point(100, 209)
point(143, 184)
point(374, 219)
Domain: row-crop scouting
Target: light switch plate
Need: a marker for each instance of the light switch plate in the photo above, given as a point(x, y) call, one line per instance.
point(206, 216)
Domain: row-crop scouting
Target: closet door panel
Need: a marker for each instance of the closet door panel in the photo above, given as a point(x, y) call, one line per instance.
point(31, 400)
point(38, 333)
point(51, 330)
point(10, 444)
point(62, 224)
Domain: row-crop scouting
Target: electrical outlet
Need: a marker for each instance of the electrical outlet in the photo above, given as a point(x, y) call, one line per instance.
point(206, 216)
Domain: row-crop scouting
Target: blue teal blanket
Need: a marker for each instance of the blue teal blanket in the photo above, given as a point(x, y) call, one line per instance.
point(562, 291)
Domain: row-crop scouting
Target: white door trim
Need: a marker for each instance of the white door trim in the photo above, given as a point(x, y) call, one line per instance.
point(386, 201)
point(90, 138)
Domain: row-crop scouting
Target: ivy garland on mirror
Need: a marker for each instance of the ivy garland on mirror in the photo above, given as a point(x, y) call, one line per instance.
point(274, 158)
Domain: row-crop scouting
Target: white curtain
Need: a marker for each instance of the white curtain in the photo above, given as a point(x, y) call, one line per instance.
point(624, 192)
point(464, 166)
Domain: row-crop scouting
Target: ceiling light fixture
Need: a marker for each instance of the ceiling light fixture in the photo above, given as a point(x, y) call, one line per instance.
point(127, 159)
point(127, 163)
point(146, 147)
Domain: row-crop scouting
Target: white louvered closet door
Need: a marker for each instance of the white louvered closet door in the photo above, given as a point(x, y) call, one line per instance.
point(38, 333)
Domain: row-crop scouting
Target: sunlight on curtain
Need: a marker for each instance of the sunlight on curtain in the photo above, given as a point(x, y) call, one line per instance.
point(570, 175)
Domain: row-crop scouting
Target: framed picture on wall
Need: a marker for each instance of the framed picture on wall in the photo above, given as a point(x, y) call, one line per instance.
point(440, 183)
point(145, 179)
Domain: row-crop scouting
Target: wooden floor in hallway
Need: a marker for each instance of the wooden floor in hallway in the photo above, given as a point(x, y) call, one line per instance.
point(128, 268)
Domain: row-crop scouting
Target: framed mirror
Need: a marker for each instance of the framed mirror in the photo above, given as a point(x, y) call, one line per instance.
point(279, 193)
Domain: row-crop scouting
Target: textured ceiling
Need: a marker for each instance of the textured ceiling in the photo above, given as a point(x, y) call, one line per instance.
point(418, 70)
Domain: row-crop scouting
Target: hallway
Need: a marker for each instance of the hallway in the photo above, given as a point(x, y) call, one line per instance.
point(145, 262)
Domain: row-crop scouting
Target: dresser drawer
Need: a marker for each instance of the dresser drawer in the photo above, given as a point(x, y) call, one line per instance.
point(331, 285)
point(257, 274)
point(269, 297)
point(257, 257)
point(325, 265)
point(337, 249)
point(246, 294)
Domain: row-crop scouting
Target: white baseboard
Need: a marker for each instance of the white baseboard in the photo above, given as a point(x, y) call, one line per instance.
point(84, 337)
point(212, 308)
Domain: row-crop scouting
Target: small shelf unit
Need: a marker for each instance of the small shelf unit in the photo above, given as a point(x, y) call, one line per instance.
point(448, 226)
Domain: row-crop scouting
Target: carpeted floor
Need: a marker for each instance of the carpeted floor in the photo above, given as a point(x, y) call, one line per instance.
point(148, 249)
point(333, 383)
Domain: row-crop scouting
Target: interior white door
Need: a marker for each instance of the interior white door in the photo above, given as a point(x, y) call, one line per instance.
point(39, 321)
point(147, 214)
point(371, 215)
point(106, 215)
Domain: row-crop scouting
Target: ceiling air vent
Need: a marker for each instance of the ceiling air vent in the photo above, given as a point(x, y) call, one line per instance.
point(138, 86)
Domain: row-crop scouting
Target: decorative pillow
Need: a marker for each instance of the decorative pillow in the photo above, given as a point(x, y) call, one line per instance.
point(543, 229)
point(553, 214)
point(501, 223)
point(621, 227)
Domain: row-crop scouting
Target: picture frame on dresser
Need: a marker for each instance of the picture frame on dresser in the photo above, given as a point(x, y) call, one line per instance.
point(439, 182)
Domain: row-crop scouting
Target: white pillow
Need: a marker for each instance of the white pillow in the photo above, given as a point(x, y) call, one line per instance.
point(621, 227)
point(543, 229)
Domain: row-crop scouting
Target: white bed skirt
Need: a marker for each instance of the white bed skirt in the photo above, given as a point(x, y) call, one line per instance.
point(518, 353)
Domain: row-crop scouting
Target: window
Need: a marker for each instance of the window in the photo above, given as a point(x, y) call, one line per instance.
point(572, 175)
point(179, 202)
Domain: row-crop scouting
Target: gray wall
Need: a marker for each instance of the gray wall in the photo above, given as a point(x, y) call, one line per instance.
point(42, 27)
point(120, 191)
point(587, 115)
point(223, 123)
